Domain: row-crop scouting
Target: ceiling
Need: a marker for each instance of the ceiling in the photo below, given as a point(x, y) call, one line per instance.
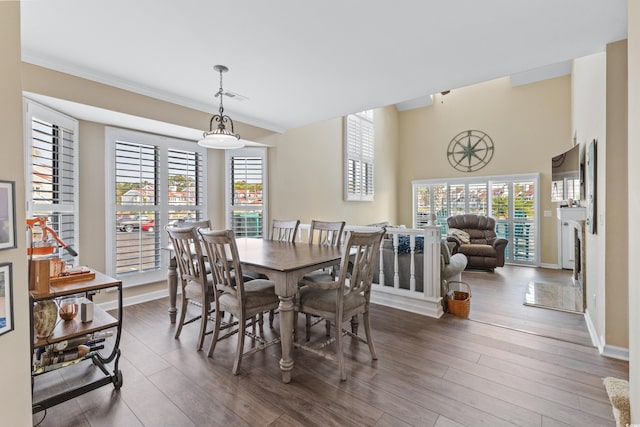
point(300, 62)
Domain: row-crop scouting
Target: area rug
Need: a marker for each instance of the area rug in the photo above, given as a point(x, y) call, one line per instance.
point(618, 391)
point(554, 296)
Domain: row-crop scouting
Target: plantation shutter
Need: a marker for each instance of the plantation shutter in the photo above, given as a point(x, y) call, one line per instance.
point(52, 172)
point(246, 191)
point(359, 156)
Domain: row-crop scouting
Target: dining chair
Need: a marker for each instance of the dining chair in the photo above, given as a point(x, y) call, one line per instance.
point(328, 233)
point(244, 300)
point(284, 230)
point(346, 296)
point(192, 274)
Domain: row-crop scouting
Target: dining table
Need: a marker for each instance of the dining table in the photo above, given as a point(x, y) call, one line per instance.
point(284, 263)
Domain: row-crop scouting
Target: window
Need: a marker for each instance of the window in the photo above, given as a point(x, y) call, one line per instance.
point(51, 140)
point(510, 200)
point(358, 156)
point(246, 193)
point(154, 181)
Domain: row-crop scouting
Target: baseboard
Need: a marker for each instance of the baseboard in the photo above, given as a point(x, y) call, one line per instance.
point(595, 340)
point(611, 351)
point(405, 300)
point(551, 266)
point(615, 352)
point(138, 299)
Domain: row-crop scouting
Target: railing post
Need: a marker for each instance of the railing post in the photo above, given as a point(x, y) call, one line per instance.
point(431, 262)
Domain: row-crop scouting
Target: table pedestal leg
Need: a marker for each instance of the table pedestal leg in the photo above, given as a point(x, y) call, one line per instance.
point(172, 284)
point(286, 337)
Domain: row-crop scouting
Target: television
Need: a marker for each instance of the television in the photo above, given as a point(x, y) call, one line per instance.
point(567, 176)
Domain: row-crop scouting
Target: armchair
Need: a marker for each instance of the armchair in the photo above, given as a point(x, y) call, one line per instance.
point(475, 237)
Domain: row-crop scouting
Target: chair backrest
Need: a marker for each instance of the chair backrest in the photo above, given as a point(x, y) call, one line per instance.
point(326, 232)
point(188, 253)
point(201, 223)
point(220, 248)
point(479, 227)
point(284, 230)
point(359, 262)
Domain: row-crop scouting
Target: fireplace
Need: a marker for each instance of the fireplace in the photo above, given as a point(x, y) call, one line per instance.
point(579, 267)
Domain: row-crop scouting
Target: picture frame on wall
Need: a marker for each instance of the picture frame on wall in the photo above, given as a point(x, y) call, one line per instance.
point(6, 298)
point(7, 215)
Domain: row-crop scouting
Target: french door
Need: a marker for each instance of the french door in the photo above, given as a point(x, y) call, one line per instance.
point(511, 200)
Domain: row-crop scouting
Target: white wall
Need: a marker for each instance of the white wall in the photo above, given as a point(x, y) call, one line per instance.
point(588, 103)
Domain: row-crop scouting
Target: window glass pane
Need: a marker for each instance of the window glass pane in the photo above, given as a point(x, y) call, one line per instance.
point(137, 242)
point(478, 198)
point(457, 199)
point(524, 243)
point(500, 200)
point(185, 178)
point(423, 205)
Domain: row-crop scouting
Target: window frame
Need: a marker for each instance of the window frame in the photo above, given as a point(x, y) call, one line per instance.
point(228, 179)
point(355, 150)
point(161, 207)
point(33, 110)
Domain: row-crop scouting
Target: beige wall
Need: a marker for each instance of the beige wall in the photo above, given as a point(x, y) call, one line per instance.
point(600, 112)
point(306, 173)
point(634, 205)
point(528, 124)
point(15, 393)
point(616, 216)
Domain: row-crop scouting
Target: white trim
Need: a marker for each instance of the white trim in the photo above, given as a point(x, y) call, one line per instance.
point(616, 352)
point(404, 299)
point(137, 299)
point(593, 332)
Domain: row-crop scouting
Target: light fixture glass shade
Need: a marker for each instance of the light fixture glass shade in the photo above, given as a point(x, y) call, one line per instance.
point(220, 140)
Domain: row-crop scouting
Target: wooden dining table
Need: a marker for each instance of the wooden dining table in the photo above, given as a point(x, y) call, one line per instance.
point(284, 263)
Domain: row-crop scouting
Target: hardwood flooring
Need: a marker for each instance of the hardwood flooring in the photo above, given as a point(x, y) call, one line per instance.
point(430, 372)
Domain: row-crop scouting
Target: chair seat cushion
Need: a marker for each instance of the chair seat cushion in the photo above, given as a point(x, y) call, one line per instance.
point(258, 293)
point(325, 300)
point(478, 250)
point(318, 276)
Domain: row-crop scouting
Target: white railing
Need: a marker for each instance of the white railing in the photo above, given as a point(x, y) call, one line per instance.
point(404, 295)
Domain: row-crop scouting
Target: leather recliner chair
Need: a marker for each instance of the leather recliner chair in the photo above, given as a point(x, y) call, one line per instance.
point(483, 249)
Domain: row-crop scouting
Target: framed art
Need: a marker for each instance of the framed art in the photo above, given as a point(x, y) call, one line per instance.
point(7, 215)
point(6, 298)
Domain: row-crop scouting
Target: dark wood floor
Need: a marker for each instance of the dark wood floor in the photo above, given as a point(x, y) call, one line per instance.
point(430, 372)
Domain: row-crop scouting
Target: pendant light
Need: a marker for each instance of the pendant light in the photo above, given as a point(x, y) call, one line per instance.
point(221, 137)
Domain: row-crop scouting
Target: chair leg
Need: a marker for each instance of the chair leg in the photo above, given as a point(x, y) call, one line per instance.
point(272, 316)
point(367, 331)
point(216, 332)
point(339, 352)
point(183, 313)
point(307, 328)
point(295, 325)
point(204, 319)
point(355, 323)
point(327, 326)
point(239, 351)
